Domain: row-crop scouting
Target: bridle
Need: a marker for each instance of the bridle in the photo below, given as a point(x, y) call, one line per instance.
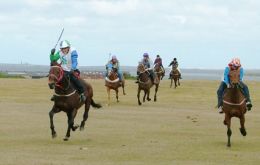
point(59, 77)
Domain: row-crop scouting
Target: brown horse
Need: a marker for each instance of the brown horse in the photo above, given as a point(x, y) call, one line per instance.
point(144, 83)
point(234, 104)
point(112, 82)
point(159, 73)
point(175, 75)
point(67, 99)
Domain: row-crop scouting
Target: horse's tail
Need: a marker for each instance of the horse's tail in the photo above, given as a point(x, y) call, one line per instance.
point(95, 105)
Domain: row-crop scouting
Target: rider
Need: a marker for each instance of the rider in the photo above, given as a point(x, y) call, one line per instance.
point(148, 64)
point(114, 63)
point(158, 60)
point(68, 57)
point(174, 64)
point(233, 65)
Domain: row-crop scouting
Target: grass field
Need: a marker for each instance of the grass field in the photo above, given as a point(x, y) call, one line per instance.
point(182, 127)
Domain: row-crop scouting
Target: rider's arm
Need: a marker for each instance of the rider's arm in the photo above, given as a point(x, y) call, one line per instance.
point(226, 77)
point(55, 57)
point(74, 60)
point(241, 74)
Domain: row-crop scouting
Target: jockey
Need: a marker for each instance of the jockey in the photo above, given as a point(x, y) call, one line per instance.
point(158, 60)
point(68, 58)
point(233, 65)
point(148, 64)
point(114, 63)
point(175, 64)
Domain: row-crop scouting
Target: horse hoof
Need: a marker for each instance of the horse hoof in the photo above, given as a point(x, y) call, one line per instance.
point(243, 131)
point(228, 145)
point(139, 103)
point(81, 128)
point(74, 128)
point(149, 99)
point(66, 138)
point(54, 135)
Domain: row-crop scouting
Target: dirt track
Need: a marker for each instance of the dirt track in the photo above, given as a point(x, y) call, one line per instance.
point(182, 127)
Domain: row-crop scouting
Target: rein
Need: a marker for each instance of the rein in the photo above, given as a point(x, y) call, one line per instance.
point(59, 78)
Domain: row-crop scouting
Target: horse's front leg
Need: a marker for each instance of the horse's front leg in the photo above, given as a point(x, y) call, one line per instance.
point(71, 116)
point(117, 95)
point(227, 122)
point(145, 93)
point(242, 123)
point(179, 81)
point(123, 87)
point(85, 116)
point(51, 114)
point(148, 95)
point(171, 83)
point(175, 83)
point(108, 96)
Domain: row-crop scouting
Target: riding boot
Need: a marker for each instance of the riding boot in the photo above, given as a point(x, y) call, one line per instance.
point(180, 76)
point(246, 93)
point(170, 76)
point(82, 97)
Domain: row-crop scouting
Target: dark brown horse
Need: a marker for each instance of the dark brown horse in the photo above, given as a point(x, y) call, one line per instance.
point(234, 104)
point(112, 82)
point(175, 75)
point(67, 99)
point(159, 73)
point(144, 83)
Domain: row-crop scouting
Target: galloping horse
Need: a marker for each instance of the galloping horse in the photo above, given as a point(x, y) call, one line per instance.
point(112, 82)
point(234, 104)
point(67, 99)
point(175, 75)
point(144, 83)
point(159, 75)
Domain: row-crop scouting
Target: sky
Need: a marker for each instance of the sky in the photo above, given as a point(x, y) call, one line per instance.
point(204, 34)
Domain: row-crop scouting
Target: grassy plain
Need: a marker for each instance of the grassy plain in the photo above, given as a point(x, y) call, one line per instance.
point(182, 127)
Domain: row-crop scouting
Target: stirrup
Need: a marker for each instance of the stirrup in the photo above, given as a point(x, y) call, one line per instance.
point(53, 98)
point(82, 97)
point(220, 109)
point(249, 105)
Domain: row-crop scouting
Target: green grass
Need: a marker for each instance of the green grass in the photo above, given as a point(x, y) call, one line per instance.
point(182, 127)
point(4, 75)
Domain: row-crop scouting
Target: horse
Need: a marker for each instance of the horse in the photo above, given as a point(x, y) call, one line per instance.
point(67, 99)
point(175, 75)
point(159, 73)
point(112, 82)
point(234, 104)
point(144, 83)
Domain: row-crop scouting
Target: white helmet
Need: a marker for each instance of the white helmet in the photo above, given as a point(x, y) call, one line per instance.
point(64, 44)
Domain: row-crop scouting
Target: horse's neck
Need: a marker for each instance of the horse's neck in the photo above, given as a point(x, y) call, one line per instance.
point(233, 95)
point(65, 86)
point(144, 77)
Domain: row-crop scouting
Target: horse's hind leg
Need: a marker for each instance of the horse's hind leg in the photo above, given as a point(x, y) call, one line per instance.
point(51, 114)
point(85, 116)
point(179, 81)
point(155, 94)
point(138, 96)
point(242, 123)
point(145, 93)
point(171, 83)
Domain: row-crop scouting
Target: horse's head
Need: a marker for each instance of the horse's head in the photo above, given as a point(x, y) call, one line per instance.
point(157, 68)
point(55, 76)
point(234, 76)
point(112, 73)
point(141, 68)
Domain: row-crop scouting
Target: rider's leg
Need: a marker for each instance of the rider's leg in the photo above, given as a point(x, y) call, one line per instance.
point(78, 85)
point(220, 92)
point(247, 95)
point(179, 72)
point(120, 75)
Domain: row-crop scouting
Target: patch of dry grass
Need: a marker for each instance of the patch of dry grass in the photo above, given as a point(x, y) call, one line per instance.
point(182, 127)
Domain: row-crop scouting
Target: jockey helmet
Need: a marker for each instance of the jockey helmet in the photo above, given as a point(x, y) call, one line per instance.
point(158, 55)
point(235, 62)
point(145, 55)
point(64, 44)
point(114, 57)
point(175, 59)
